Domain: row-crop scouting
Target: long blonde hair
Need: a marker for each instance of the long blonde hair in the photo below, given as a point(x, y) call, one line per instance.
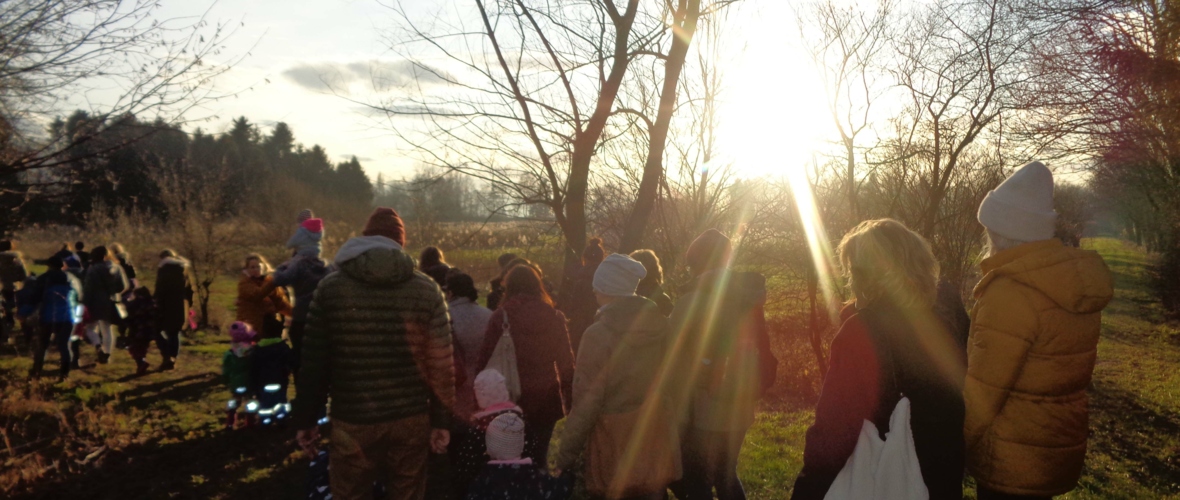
point(883, 258)
point(261, 260)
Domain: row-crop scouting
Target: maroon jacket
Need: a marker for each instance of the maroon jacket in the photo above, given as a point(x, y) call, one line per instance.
point(542, 342)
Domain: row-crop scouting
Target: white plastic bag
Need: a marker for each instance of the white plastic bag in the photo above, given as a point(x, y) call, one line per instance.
point(882, 469)
point(503, 360)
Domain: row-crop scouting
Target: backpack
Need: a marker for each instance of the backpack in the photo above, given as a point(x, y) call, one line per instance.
point(504, 360)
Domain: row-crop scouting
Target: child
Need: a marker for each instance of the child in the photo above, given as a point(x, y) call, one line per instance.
point(270, 372)
point(235, 368)
point(508, 476)
point(141, 327)
point(491, 394)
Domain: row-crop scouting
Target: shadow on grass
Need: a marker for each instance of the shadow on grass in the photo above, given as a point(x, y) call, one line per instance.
point(245, 464)
point(174, 390)
point(1124, 428)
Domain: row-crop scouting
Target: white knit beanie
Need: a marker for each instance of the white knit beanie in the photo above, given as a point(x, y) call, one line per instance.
point(490, 388)
point(1021, 207)
point(618, 276)
point(505, 437)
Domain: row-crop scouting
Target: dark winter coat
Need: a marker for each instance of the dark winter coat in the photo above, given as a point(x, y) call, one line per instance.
point(581, 304)
point(496, 294)
point(141, 319)
point(271, 365)
point(57, 294)
point(723, 350)
point(880, 353)
point(174, 293)
point(128, 267)
point(539, 334)
point(102, 291)
point(438, 273)
point(655, 293)
point(303, 274)
point(621, 357)
point(520, 482)
point(378, 340)
point(12, 270)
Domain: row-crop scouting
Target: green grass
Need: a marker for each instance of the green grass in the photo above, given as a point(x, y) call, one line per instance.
point(159, 436)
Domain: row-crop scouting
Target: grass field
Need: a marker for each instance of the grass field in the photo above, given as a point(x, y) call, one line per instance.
point(103, 434)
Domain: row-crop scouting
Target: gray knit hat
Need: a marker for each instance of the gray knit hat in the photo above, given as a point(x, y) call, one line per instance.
point(505, 437)
point(305, 214)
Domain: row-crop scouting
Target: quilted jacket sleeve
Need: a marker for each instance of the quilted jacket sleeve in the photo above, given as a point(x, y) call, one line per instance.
point(435, 356)
point(1003, 330)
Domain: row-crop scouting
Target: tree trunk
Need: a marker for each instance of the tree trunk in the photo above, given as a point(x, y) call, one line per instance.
point(645, 201)
point(813, 327)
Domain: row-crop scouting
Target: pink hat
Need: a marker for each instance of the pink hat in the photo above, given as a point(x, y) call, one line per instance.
point(241, 332)
point(313, 225)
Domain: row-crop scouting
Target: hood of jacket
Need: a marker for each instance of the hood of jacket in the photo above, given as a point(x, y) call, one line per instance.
point(1076, 280)
point(173, 261)
point(375, 259)
point(741, 289)
point(636, 315)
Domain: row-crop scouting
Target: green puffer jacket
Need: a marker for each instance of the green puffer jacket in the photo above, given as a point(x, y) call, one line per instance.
point(378, 341)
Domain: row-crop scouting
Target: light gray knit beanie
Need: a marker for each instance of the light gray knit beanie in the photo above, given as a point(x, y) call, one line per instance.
point(1021, 207)
point(505, 437)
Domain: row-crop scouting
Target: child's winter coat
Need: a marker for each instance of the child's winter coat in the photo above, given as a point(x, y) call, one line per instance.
point(519, 480)
point(141, 319)
point(236, 365)
point(271, 367)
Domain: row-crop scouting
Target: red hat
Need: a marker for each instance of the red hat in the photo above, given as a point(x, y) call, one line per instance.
point(709, 251)
point(385, 222)
point(313, 225)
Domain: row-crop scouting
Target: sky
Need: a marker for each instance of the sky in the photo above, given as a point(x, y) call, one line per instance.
point(293, 44)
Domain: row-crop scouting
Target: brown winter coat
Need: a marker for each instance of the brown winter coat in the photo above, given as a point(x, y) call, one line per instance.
point(539, 334)
point(256, 300)
point(1031, 354)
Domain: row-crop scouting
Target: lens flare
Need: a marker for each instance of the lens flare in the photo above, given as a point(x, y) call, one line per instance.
point(817, 237)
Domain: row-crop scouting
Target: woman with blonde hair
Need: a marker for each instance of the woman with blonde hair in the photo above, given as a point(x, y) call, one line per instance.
point(651, 287)
point(894, 344)
point(259, 304)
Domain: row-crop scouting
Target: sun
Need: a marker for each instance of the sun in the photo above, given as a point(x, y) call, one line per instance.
point(772, 113)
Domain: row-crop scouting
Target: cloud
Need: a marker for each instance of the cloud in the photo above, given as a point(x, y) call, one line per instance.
point(377, 75)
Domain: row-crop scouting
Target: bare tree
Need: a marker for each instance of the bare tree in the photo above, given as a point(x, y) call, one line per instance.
point(52, 51)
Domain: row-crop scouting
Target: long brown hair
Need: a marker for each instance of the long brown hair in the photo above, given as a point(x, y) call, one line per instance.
point(524, 280)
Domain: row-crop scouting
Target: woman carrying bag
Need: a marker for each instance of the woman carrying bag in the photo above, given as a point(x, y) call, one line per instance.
point(544, 359)
point(894, 357)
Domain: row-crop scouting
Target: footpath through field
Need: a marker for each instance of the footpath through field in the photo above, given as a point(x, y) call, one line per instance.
point(103, 434)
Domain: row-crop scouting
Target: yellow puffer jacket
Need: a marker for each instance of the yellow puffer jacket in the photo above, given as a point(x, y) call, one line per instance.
point(1034, 340)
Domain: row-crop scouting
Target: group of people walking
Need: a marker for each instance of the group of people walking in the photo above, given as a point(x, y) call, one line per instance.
point(657, 394)
point(94, 297)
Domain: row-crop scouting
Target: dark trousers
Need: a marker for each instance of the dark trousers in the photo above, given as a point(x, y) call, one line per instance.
point(8, 300)
point(168, 342)
point(983, 493)
point(536, 442)
point(710, 462)
point(60, 332)
point(295, 333)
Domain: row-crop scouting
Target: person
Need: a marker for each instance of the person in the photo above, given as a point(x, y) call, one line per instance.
point(579, 304)
point(619, 415)
point(894, 343)
point(174, 294)
point(1034, 338)
point(142, 327)
point(652, 285)
point(469, 452)
point(432, 262)
point(236, 368)
point(511, 476)
point(123, 260)
point(12, 276)
point(103, 290)
point(496, 284)
point(302, 273)
point(57, 295)
point(260, 304)
point(270, 372)
point(469, 321)
point(722, 356)
point(84, 257)
point(378, 341)
point(545, 360)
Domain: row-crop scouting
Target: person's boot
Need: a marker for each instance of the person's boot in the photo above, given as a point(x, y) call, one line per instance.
point(103, 358)
point(231, 419)
point(168, 364)
point(141, 367)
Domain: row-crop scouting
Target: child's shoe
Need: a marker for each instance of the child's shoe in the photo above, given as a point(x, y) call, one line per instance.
point(231, 419)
